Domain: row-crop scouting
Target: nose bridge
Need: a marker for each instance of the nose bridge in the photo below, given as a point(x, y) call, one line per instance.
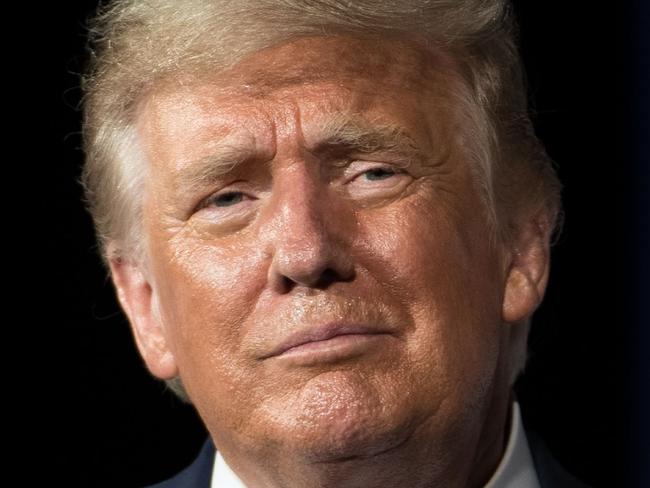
point(301, 209)
point(306, 247)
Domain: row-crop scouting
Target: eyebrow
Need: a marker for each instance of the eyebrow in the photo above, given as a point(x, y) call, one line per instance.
point(345, 133)
point(336, 137)
point(203, 172)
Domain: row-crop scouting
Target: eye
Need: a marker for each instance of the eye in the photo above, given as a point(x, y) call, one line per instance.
point(227, 199)
point(369, 180)
point(376, 174)
point(373, 174)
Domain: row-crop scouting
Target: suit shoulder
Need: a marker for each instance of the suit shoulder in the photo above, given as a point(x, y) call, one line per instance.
point(549, 471)
point(196, 475)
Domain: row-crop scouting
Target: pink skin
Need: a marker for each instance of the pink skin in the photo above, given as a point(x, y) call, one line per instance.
point(296, 246)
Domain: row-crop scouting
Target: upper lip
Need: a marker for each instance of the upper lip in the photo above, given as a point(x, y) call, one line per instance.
point(322, 333)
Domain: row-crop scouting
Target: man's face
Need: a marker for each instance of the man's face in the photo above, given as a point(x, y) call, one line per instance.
point(319, 270)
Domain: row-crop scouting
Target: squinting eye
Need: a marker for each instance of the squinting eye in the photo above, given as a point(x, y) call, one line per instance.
point(378, 174)
point(227, 199)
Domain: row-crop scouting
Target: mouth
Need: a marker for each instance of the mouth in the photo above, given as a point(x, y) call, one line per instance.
point(328, 343)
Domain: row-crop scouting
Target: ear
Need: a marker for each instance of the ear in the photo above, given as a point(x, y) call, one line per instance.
point(140, 304)
point(527, 271)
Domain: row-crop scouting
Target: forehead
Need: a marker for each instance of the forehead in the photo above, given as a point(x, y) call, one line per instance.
point(392, 62)
point(310, 78)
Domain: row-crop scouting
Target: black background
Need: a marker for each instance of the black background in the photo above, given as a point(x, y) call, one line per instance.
point(104, 422)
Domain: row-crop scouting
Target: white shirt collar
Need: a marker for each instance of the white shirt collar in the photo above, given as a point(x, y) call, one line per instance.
point(516, 469)
point(223, 476)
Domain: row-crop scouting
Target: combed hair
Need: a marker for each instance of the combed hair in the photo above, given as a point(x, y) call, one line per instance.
point(136, 44)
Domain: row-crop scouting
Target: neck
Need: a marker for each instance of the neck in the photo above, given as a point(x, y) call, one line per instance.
point(494, 437)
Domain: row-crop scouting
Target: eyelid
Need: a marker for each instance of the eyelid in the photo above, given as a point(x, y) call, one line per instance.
point(220, 194)
point(232, 187)
point(357, 168)
point(351, 171)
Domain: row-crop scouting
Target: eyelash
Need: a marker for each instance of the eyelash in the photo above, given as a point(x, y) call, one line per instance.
point(214, 200)
point(384, 173)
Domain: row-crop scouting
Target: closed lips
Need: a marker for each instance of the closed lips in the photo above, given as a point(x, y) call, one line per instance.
point(322, 333)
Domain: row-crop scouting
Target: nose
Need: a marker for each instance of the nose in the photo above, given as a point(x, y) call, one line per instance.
point(309, 236)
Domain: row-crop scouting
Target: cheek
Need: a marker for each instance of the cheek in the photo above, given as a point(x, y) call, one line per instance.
point(207, 292)
point(418, 250)
point(443, 272)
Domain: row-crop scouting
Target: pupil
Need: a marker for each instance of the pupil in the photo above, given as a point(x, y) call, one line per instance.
point(378, 174)
point(228, 199)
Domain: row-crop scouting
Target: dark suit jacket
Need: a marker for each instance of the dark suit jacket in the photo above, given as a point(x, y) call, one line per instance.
point(549, 472)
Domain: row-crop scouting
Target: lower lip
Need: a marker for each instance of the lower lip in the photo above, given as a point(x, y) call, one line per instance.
point(337, 348)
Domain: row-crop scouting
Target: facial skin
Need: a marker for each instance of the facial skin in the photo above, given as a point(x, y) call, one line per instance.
point(302, 231)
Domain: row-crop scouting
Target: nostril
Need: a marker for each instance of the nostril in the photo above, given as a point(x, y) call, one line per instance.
point(329, 276)
point(320, 281)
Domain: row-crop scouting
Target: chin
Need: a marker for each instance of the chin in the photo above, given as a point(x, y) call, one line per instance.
point(356, 444)
point(337, 417)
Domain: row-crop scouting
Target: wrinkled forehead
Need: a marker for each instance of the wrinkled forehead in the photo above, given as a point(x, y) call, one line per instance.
point(310, 80)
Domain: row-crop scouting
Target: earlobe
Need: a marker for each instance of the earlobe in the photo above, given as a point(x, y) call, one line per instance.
point(140, 304)
point(527, 273)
